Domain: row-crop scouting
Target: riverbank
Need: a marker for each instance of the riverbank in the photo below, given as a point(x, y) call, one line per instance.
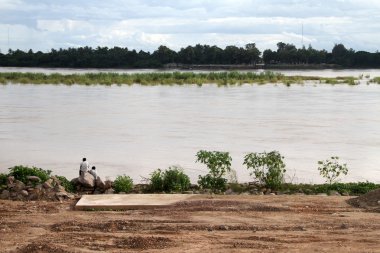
point(204, 222)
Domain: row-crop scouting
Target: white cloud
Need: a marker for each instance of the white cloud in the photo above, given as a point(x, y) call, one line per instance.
point(143, 24)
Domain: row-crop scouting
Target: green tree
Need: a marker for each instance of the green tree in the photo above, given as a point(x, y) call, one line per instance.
point(252, 53)
point(331, 169)
point(267, 168)
point(164, 55)
point(218, 164)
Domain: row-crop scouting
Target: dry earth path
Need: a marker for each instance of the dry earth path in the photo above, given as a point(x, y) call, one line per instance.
point(203, 223)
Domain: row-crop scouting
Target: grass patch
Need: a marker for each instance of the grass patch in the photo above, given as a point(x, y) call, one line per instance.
point(178, 78)
point(343, 188)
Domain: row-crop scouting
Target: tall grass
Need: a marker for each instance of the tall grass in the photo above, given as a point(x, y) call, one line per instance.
point(178, 78)
point(376, 80)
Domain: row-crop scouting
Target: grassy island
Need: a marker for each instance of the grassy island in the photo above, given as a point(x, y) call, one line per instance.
point(171, 78)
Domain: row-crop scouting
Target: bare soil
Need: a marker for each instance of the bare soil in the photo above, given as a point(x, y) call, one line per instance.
point(203, 223)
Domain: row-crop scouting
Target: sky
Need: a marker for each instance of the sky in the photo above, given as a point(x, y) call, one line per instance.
point(146, 24)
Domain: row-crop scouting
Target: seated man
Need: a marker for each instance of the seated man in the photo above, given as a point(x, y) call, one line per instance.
point(93, 172)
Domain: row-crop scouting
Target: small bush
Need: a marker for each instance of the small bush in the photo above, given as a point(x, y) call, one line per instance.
point(218, 164)
point(22, 172)
point(171, 180)
point(331, 169)
point(69, 187)
point(215, 184)
point(156, 181)
point(349, 188)
point(3, 179)
point(176, 180)
point(267, 168)
point(123, 184)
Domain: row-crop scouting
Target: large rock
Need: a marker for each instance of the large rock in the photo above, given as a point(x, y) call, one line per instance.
point(100, 184)
point(33, 179)
point(87, 180)
point(5, 194)
point(109, 191)
point(24, 193)
point(10, 180)
point(18, 186)
point(108, 184)
point(48, 184)
point(59, 188)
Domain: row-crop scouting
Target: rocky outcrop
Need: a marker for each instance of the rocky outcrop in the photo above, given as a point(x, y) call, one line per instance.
point(51, 189)
point(88, 185)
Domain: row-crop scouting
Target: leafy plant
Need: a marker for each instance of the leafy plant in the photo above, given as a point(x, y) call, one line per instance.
point(176, 180)
point(348, 188)
point(22, 172)
point(69, 187)
point(123, 184)
point(331, 169)
point(156, 181)
point(267, 168)
point(3, 179)
point(171, 180)
point(218, 164)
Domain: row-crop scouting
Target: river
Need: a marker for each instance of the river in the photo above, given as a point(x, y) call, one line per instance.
point(135, 129)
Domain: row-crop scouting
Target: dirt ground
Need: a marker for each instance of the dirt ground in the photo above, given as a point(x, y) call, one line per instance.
point(204, 223)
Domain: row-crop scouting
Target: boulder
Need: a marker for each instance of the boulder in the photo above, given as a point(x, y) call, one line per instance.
point(61, 195)
point(33, 179)
point(229, 192)
point(24, 193)
point(107, 184)
point(100, 184)
point(48, 184)
point(87, 180)
point(10, 180)
point(59, 188)
point(334, 193)
point(5, 194)
point(109, 191)
point(18, 186)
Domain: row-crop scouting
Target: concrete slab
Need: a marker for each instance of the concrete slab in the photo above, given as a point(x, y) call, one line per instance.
point(128, 201)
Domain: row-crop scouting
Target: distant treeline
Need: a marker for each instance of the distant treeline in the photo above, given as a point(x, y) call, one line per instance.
point(117, 57)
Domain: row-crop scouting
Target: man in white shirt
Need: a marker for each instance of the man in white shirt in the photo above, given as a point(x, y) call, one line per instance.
point(93, 172)
point(84, 166)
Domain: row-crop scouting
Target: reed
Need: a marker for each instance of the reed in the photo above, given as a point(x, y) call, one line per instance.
point(163, 78)
point(374, 80)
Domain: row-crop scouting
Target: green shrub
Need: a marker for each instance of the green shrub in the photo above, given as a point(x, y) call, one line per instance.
point(123, 184)
point(218, 164)
point(3, 179)
point(210, 182)
point(267, 168)
point(236, 187)
point(349, 188)
point(156, 181)
point(171, 180)
point(69, 187)
point(175, 180)
point(22, 172)
point(361, 187)
point(331, 169)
